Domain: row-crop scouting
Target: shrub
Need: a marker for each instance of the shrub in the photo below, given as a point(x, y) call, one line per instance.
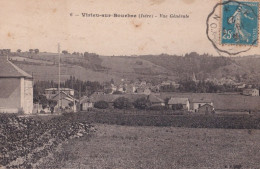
point(117, 92)
point(142, 103)
point(122, 103)
point(101, 105)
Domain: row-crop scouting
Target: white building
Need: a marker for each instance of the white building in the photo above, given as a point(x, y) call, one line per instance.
point(197, 103)
point(251, 92)
point(16, 89)
point(179, 101)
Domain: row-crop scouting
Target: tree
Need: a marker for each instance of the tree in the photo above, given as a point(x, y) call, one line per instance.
point(43, 101)
point(36, 51)
point(52, 104)
point(166, 101)
point(18, 50)
point(142, 103)
point(71, 104)
point(31, 50)
point(65, 52)
point(122, 103)
point(101, 105)
point(118, 92)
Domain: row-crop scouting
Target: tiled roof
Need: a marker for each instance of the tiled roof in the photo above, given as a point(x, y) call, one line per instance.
point(155, 99)
point(62, 89)
point(63, 95)
point(112, 97)
point(8, 69)
point(178, 100)
point(201, 100)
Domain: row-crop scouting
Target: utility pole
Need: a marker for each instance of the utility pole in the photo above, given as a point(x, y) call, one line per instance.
point(59, 75)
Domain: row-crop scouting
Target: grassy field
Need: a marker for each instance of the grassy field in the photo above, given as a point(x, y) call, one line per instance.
point(116, 146)
point(156, 119)
point(222, 101)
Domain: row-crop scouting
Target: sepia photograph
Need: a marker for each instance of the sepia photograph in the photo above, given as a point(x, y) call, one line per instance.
point(129, 84)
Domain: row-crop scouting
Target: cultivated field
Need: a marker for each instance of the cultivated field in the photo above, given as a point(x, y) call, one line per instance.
point(115, 146)
point(125, 139)
point(222, 101)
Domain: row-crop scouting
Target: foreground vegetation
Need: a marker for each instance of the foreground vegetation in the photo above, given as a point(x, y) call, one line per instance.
point(25, 141)
point(170, 118)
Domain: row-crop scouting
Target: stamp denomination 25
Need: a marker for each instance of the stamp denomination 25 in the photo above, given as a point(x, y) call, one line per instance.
point(233, 26)
point(240, 23)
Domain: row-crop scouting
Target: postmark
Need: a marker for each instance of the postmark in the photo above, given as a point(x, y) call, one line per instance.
point(233, 26)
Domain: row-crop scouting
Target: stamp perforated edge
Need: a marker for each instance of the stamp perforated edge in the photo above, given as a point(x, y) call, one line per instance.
point(220, 31)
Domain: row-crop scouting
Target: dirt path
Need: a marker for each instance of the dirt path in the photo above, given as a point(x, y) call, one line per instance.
point(116, 146)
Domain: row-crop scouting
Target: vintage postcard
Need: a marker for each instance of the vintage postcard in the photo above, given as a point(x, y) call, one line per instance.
point(129, 84)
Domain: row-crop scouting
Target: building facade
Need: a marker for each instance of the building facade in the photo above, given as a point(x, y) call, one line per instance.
point(16, 89)
point(251, 92)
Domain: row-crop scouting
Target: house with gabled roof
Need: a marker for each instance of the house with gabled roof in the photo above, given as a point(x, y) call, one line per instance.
point(155, 100)
point(50, 92)
point(16, 88)
point(65, 100)
point(199, 102)
point(175, 101)
point(85, 103)
point(251, 92)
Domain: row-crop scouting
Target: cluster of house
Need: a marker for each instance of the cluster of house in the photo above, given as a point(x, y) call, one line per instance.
point(142, 87)
point(193, 105)
point(246, 89)
point(16, 94)
point(64, 97)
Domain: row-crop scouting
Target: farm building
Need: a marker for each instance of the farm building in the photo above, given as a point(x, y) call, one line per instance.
point(179, 101)
point(51, 92)
point(16, 89)
point(65, 100)
point(142, 90)
point(85, 103)
point(251, 92)
point(156, 101)
point(197, 103)
point(206, 109)
point(130, 89)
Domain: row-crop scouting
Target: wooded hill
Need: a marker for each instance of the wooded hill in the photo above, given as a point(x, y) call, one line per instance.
point(93, 67)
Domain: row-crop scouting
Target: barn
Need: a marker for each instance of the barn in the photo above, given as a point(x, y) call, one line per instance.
point(16, 89)
point(206, 109)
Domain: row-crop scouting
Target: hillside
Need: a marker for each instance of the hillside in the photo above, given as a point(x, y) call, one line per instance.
point(92, 67)
point(239, 69)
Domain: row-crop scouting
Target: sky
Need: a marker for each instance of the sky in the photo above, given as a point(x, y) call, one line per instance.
point(42, 24)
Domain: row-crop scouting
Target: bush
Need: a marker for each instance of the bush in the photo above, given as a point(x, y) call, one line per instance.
point(117, 92)
point(142, 103)
point(122, 103)
point(101, 105)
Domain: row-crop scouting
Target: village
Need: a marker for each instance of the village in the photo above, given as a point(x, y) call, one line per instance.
point(44, 123)
point(18, 97)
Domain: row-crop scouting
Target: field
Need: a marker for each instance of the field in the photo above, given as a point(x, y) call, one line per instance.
point(129, 139)
point(115, 146)
point(222, 101)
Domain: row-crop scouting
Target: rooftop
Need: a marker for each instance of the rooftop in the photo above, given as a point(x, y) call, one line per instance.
point(8, 69)
point(176, 100)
